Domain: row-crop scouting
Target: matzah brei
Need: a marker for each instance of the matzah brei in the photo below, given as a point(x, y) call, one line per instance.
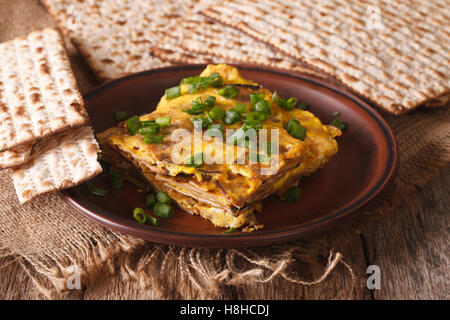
point(197, 39)
point(116, 37)
point(401, 65)
point(66, 160)
point(38, 92)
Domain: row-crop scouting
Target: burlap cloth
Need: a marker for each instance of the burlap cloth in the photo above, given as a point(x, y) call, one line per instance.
point(51, 240)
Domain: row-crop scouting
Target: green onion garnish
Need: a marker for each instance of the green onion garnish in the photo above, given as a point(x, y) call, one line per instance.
point(162, 197)
point(116, 180)
point(336, 114)
point(153, 221)
point(153, 139)
point(292, 194)
point(263, 106)
point(288, 104)
point(302, 106)
point(228, 92)
point(338, 123)
point(295, 129)
point(231, 230)
point(133, 125)
point(216, 113)
point(173, 92)
point(190, 80)
point(96, 191)
point(149, 130)
point(210, 101)
point(201, 122)
point(195, 161)
point(197, 107)
point(215, 80)
point(214, 130)
point(237, 136)
point(240, 107)
point(231, 116)
point(163, 210)
point(120, 116)
point(147, 123)
point(150, 200)
point(163, 121)
point(139, 215)
point(256, 97)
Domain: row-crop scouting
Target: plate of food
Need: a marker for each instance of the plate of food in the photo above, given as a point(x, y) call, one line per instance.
point(225, 156)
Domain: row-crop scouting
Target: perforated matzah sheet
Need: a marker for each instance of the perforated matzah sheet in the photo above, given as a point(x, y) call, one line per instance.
point(197, 39)
point(395, 53)
point(116, 37)
point(38, 92)
point(64, 161)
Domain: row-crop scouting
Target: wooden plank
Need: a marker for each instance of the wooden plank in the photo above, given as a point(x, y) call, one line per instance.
point(412, 246)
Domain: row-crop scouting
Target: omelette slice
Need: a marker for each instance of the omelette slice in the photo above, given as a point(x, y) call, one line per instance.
point(224, 175)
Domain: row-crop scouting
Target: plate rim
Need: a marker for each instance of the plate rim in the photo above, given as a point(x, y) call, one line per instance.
point(260, 238)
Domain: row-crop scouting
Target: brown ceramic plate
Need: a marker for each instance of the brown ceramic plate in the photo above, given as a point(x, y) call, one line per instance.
point(365, 164)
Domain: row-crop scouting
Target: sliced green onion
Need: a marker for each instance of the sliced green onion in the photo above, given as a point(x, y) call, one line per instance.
point(292, 194)
point(133, 125)
point(216, 113)
point(201, 122)
point(162, 197)
point(336, 114)
point(240, 107)
point(197, 107)
point(153, 139)
point(163, 210)
point(147, 123)
point(150, 200)
point(263, 106)
point(149, 130)
point(139, 215)
point(291, 103)
point(237, 136)
point(256, 97)
point(231, 230)
point(228, 92)
point(190, 80)
point(295, 129)
point(288, 104)
point(120, 116)
point(96, 191)
point(231, 116)
point(210, 101)
point(214, 130)
point(173, 92)
point(163, 121)
point(302, 106)
point(195, 161)
point(116, 180)
point(153, 221)
point(338, 123)
point(215, 80)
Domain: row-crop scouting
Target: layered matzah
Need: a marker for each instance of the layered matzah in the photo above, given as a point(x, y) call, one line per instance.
point(38, 92)
point(65, 160)
point(197, 39)
point(393, 53)
point(116, 37)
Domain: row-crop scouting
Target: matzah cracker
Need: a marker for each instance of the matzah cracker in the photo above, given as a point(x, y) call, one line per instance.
point(116, 37)
point(15, 156)
point(394, 53)
point(65, 160)
point(197, 39)
point(38, 92)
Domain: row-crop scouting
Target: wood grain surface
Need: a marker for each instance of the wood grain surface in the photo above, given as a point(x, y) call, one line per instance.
point(411, 246)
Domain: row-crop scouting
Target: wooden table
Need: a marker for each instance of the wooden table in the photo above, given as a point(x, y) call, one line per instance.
point(411, 246)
